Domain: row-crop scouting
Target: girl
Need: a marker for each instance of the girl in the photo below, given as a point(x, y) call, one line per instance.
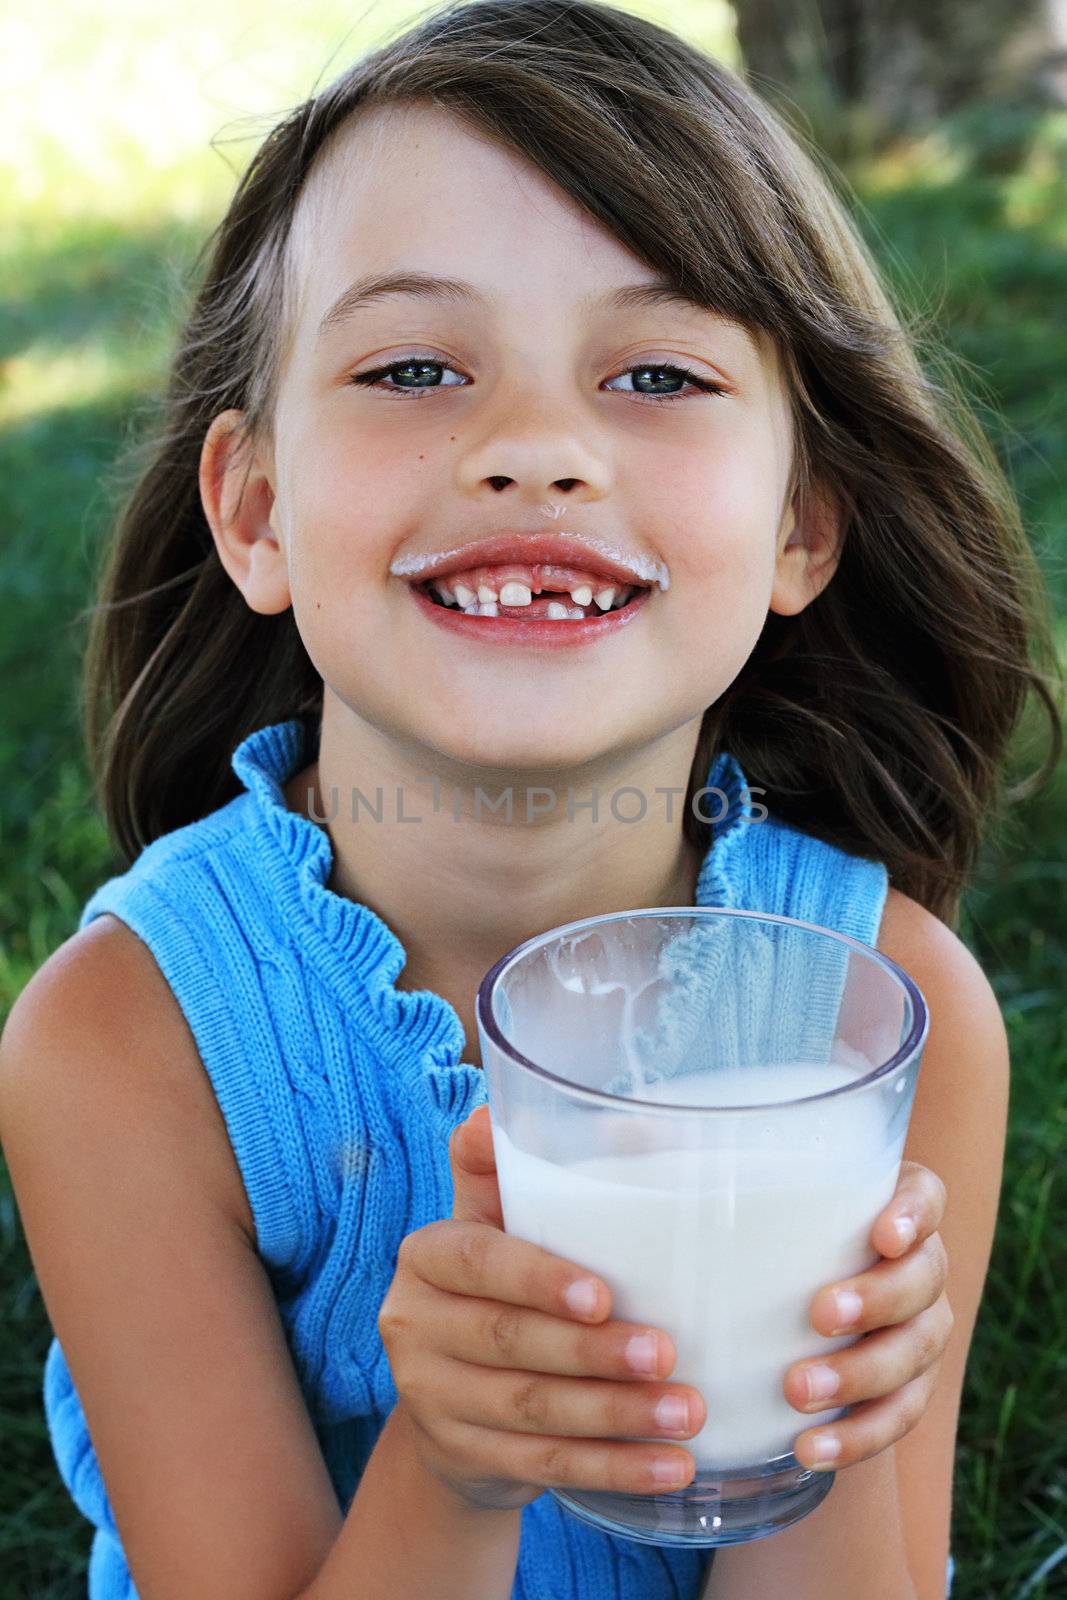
point(540, 425)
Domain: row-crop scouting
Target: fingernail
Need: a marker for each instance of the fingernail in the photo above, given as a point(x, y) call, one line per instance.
point(826, 1447)
point(672, 1414)
point(848, 1307)
point(641, 1352)
point(668, 1469)
point(581, 1297)
point(822, 1382)
point(906, 1230)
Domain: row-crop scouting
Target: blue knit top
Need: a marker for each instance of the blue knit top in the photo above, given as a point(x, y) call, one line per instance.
point(339, 1093)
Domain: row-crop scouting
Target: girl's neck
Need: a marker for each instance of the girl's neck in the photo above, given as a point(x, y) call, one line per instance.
point(460, 893)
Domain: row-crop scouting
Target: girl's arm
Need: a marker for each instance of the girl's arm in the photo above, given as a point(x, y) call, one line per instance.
point(882, 1533)
point(137, 1224)
point(407, 1534)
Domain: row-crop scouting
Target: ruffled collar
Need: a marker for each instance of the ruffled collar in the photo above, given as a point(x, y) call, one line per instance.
point(360, 954)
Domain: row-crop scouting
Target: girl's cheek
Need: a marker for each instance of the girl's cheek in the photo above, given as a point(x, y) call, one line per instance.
point(724, 549)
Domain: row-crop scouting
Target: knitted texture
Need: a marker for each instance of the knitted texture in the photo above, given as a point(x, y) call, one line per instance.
point(339, 1093)
point(733, 993)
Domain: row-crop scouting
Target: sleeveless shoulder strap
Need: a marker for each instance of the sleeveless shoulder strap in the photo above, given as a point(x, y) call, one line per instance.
point(757, 862)
point(195, 900)
point(742, 988)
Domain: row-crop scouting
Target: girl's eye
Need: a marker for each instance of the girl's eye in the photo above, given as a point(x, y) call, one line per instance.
point(661, 374)
point(415, 377)
point(413, 367)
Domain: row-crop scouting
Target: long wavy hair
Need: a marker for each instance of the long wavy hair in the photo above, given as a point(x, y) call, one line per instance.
point(879, 718)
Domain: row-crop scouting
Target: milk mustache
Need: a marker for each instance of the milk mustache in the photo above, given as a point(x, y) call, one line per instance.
point(725, 1247)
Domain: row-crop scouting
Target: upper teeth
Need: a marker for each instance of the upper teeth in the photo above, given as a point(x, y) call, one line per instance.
point(518, 594)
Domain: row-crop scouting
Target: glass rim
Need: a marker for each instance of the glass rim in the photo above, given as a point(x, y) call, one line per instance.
point(913, 1041)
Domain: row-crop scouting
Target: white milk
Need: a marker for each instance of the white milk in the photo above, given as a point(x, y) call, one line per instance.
point(724, 1249)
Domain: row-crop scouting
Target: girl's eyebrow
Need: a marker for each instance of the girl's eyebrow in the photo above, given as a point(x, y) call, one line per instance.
point(380, 286)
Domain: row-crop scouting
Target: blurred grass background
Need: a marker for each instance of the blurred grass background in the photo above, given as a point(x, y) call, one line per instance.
point(121, 139)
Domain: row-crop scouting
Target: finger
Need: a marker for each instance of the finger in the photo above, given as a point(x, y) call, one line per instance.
point(472, 1258)
point(472, 1142)
point(476, 1194)
point(605, 1464)
point(491, 1334)
point(869, 1429)
point(889, 1292)
point(915, 1211)
point(874, 1366)
point(592, 1408)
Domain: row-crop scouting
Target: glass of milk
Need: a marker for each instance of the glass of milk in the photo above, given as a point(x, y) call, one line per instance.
point(706, 1108)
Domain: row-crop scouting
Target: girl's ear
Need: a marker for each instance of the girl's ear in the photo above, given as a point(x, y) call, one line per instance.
point(241, 515)
point(809, 548)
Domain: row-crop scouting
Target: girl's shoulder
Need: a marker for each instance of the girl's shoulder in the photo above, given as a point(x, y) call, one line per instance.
point(958, 1129)
point(966, 1053)
point(80, 1029)
point(927, 948)
point(168, 952)
point(908, 929)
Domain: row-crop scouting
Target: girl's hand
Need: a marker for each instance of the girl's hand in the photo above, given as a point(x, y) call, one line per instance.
point(901, 1306)
point(508, 1368)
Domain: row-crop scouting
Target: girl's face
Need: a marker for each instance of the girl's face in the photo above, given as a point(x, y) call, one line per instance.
point(533, 405)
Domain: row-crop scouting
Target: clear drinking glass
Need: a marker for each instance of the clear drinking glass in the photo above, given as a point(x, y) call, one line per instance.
point(707, 1108)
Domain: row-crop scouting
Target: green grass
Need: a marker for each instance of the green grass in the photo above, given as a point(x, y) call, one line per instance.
point(88, 276)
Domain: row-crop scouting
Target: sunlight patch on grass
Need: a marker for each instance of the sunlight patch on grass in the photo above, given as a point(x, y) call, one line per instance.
point(40, 380)
point(113, 108)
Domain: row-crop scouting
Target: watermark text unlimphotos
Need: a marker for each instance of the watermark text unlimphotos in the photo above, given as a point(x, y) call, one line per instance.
point(630, 803)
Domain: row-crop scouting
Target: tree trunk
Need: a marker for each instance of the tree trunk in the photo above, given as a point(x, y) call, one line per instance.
point(892, 66)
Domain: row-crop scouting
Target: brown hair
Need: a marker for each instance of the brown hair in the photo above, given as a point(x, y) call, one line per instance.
point(878, 718)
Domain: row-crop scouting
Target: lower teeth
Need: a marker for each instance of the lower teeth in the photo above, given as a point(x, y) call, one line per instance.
point(492, 609)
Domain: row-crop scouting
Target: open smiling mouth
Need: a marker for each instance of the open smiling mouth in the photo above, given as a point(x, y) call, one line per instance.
point(541, 593)
point(530, 604)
